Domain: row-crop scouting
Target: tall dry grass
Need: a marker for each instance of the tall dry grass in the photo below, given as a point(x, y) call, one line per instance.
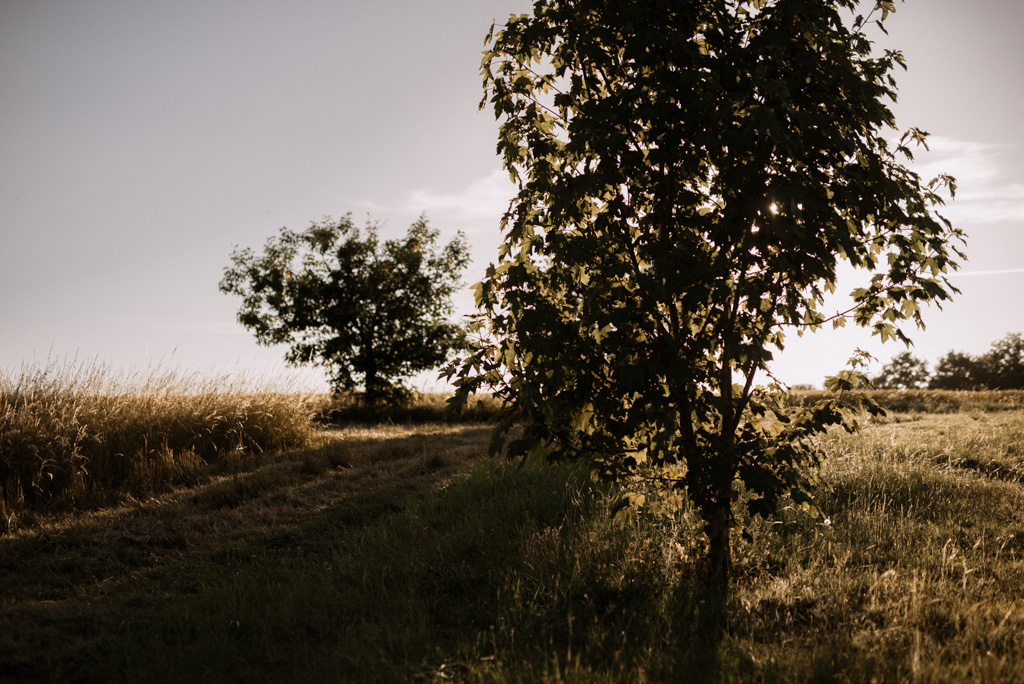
point(73, 434)
point(931, 401)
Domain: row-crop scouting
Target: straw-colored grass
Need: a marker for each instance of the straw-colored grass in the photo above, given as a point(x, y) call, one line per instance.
point(73, 435)
point(932, 401)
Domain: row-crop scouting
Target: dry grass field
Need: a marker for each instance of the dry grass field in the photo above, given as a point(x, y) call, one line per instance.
point(397, 551)
point(80, 436)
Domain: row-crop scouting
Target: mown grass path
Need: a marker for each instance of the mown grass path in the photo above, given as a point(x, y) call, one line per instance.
point(71, 575)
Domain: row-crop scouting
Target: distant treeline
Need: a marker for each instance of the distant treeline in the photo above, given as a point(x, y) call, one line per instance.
point(1002, 368)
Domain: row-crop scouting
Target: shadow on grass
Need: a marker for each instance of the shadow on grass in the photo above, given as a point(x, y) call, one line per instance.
point(417, 408)
point(362, 559)
point(71, 578)
point(506, 575)
point(703, 617)
point(378, 563)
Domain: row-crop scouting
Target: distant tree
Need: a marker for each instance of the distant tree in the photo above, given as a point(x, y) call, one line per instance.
point(692, 175)
point(904, 372)
point(1003, 365)
point(371, 312)
point(958, 371)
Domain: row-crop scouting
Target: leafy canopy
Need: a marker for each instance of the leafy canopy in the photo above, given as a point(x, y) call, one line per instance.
point(691, 174)
point(1002, 368)
point(957, 371)
point(372, 312)
point(904, 372)
point(1004, 363)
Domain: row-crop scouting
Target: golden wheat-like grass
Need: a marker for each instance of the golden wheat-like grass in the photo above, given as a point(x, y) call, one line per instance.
point(932, 401)
point(73, 433)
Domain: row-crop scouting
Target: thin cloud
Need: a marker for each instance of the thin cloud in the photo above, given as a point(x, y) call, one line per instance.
point(998, 271)
point(483, 201)
point(374, 208)
point(212, 327)
point(990, 188)
point(486, 197)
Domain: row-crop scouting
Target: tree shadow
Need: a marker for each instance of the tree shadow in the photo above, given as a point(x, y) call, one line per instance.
point(62, 576)
point(702, 620)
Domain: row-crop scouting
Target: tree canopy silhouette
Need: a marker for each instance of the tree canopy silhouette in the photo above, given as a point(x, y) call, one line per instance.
point(372, 312)
point(1001, 368)
point(904, 372)
point(957, 371)
point(1003, 365)
point(691, 175)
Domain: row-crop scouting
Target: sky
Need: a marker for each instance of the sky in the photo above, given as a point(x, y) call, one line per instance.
point(141, 141)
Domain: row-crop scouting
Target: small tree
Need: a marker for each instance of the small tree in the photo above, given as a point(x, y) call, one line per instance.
point(371, 312)
point(691, 175)
point(904, 372)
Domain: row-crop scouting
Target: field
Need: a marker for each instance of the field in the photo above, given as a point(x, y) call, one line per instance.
point(396, 551)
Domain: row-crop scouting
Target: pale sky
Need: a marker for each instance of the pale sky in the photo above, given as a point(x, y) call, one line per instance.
point(141, 141)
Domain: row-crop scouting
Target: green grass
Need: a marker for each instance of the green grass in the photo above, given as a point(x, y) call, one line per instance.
point(420, 573)
point(363, 594)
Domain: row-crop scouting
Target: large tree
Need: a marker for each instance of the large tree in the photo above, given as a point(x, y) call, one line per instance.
point(1003, 365)
point(372, 312)
point(904, 372)
point(1002, 368)
point(958, 371)
point(692, 174)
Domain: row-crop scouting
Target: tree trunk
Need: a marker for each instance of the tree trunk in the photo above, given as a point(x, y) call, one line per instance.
point(719, 530)
point(371, 382)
